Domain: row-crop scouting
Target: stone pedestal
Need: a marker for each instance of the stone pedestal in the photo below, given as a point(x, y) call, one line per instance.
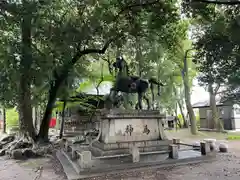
point(120, 129)
point(130, 126)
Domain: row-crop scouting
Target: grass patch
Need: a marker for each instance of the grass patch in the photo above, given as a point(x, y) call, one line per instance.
point(11, 118)
point(233, 137)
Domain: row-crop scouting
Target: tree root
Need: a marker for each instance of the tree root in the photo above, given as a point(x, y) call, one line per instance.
point(23, 147)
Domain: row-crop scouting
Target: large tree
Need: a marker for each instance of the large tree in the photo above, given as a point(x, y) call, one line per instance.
point(43, 41)
point(217, 55)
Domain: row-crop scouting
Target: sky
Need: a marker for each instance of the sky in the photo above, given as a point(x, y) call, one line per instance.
point(198, 93)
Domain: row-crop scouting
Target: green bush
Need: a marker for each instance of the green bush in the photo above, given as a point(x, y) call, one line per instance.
point(180, 119)
point(11, 118)
point(197, 119)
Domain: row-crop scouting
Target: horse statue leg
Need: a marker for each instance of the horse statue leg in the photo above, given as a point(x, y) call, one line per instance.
point(137, 106)
point(113, 96)
point(147, 101)
point(152, 92)
point(140, 96)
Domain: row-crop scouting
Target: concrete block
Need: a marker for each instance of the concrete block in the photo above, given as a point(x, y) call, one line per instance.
point(134, 151)
point(177, 142)
point(85, 160)
point(173, 151)
point(212, 144)
point(205, 148)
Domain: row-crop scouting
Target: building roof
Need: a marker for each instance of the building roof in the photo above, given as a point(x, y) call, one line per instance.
point(206, 103)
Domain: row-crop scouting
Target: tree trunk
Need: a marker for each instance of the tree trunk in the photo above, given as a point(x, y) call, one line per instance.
point(25, 105)
point(185, 122)
point(62, 123)
point(4, 121)
point(213, 106)
point(188, 97)
point(44, 127)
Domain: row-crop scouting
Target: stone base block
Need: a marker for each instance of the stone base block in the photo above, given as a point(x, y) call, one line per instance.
point(173, 154)
point(85, 159)
point(134, 151)
point(102, 149)
point(205, 148)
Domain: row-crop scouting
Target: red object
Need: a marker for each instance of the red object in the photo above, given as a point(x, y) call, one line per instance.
point(1, 124)
point(53, 122)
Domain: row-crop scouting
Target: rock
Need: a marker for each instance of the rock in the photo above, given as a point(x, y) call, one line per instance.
point(2, 152)
point(59, 143)
point(196, 145)
point(28, 153)
point(41, 151)
point(23, 145)
point(223, 147)
point(53, 139)
point(17, 154)
point(78, 140)
point(8, 139)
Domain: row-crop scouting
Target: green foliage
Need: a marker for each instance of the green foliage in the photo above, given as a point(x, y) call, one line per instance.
point(217, 55)
point(11, 118)
point(60, 30)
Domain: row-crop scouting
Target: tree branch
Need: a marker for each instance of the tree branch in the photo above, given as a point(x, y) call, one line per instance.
point(226, 2)
point(91, 51)
point(216, 89)
point(133, 6)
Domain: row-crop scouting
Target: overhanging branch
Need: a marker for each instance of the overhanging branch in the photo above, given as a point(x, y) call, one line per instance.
point(92, 50)
point(221, 2)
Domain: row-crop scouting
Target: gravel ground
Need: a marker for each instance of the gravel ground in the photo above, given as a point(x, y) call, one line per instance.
point(226, 167)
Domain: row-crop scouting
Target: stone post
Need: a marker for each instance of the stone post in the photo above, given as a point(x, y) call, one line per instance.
point(134, 151)
point(205, 148)
point(74, 154)
point(66, 146)
point(173, 151)
point(177, 142)
point(212, 143)
point(85, 160)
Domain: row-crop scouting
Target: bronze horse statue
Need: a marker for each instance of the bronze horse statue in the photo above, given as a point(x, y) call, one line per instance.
point(132, 84)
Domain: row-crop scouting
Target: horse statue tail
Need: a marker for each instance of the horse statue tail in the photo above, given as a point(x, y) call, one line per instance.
point(154, 81)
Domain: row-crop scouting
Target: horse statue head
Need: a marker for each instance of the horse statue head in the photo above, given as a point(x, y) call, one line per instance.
point(121, 66)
